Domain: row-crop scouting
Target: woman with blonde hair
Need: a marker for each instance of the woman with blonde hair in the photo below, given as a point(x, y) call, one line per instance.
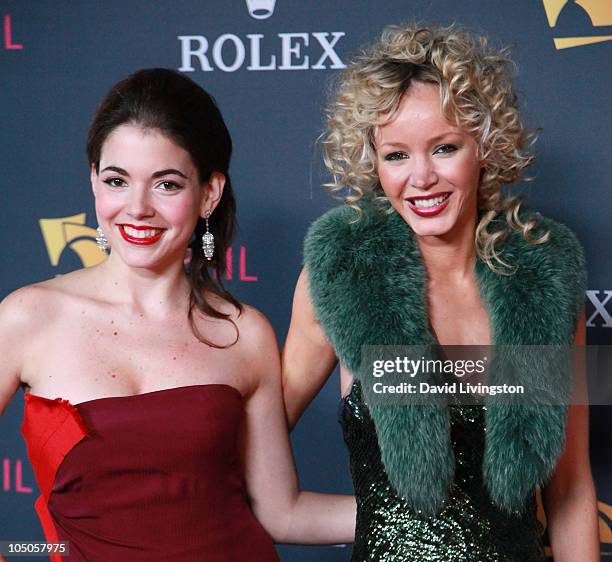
point(428, 249)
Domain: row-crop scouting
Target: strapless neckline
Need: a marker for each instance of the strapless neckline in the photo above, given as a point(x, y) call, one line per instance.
point(131, 397)
point(145, 477)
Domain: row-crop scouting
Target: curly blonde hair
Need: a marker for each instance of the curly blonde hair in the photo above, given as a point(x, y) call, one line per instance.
point(476, 95)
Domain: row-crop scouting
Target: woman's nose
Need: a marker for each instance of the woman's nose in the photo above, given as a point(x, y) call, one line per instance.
point(139, 203)
point(423, 174)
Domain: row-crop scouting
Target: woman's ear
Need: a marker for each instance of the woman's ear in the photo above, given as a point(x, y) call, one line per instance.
point(93, 178)
point(213, 192)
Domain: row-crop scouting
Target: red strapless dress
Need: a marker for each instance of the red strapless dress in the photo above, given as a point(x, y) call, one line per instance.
point(156, 476)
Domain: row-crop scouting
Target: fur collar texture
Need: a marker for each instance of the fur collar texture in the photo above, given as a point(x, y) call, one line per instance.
point(368, 287)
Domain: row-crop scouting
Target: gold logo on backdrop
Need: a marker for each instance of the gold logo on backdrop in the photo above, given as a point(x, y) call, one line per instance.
point(605, 525)
point(599, 11)
point(71, 232)
point(605, 528)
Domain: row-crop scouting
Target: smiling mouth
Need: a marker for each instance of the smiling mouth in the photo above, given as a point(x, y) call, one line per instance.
point(429, 205)
point(140, 235)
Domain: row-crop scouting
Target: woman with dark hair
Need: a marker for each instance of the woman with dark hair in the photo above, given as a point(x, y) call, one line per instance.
point(428, 250)
point(168, 440)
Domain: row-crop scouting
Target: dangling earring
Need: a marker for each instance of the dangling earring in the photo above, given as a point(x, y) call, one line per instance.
point(101, 240)
point(208, 240)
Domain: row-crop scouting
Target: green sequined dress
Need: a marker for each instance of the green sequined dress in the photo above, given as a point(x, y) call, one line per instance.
point(470, 527)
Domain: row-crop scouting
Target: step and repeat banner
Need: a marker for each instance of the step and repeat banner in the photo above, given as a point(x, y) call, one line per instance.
point(271, 66)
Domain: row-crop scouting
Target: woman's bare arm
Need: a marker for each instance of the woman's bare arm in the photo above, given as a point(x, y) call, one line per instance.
point(14, 334)
point(288, 514)
point(308, 358)
point(569, 497)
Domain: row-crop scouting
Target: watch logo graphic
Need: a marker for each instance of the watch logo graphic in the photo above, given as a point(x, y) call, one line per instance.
point(261, 9)
point(598, 11)
point(71, 232)
point(230, 52)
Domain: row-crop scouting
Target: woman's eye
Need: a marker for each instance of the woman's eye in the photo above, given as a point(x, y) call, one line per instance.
point(115, 182)
point(445, 149)
point(396, 156)
point(169, 186)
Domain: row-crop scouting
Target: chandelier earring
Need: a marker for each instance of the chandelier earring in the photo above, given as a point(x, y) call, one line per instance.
point(208, 240)
point(102, 241)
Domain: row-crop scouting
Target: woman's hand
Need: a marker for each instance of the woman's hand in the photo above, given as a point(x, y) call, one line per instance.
point(289, 515)
point(569, 497)
point(308, 358)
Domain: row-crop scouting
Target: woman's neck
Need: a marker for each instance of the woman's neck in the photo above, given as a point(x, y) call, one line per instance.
point(150, 292)
point(449, 258)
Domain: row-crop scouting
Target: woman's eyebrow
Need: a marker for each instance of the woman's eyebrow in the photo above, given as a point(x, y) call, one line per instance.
point(154, 175)
point(167, 172)
point(115, 169)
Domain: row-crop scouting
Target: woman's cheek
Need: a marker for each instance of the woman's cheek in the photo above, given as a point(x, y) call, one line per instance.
point(107, 204)
point(393, 180)
point(179, 210)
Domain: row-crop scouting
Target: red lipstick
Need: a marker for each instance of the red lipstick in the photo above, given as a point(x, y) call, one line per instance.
point(432, 210)
point(138, 240)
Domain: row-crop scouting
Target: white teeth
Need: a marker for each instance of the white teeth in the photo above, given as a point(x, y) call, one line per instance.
point(425, 203)
point(134, 233)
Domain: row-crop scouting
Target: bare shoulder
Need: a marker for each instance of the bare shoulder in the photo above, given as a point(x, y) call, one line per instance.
point(38, 304)
point(22, 308)
point(41, 296)
point(304, 323)
point(302, 293)
point(303, 309)
point(23, 314)
point(27, 317)
point(79, 283)
point(255, 329)
point(248, 339)
point(258, 346)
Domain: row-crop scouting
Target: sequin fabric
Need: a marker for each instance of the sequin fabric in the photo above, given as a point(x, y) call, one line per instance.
point(469, 528)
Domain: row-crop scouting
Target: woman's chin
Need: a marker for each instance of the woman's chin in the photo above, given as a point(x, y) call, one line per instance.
point(428, 226)
point(450, 222)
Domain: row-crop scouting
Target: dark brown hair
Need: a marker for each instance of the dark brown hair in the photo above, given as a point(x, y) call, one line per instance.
point(167, 101)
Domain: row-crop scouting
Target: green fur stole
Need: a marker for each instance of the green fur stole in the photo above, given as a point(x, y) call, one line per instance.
point(368, 287)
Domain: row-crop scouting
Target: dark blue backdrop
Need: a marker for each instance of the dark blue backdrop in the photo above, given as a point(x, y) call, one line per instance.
point(58, 58)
